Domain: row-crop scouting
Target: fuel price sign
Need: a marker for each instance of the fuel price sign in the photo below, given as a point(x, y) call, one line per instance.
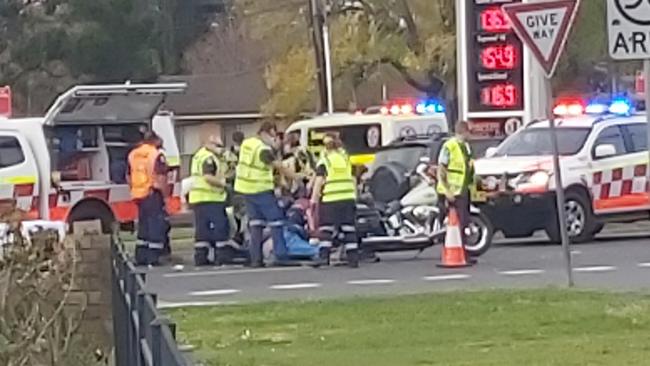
point(494, 55)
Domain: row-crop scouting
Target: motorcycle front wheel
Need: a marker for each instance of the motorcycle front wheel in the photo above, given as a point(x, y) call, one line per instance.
point(479, 235)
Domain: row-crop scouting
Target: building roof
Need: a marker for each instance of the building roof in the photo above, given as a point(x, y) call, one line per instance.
point(219, 94)
point(245, 93)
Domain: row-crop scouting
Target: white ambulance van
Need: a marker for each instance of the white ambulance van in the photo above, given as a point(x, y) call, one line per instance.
point(71, 165)
point(363, 133)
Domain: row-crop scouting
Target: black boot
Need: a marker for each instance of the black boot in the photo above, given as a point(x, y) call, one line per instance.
point(224, 255)
point(201, 257)
point(324, 256)
point(353, 258)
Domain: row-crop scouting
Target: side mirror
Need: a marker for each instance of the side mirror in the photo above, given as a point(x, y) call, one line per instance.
point(491, 151)
point(604, 151)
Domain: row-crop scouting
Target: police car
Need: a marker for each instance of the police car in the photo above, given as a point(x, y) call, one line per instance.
point(604, 160)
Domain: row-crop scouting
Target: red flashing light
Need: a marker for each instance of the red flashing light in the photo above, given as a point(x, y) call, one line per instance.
point(502, 57)
point(569, 106)
point(494, 20)
point(570, 109)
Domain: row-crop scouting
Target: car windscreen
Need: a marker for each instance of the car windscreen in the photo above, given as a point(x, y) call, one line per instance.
point(407, 156)
point(357, 139)
point(537, 141)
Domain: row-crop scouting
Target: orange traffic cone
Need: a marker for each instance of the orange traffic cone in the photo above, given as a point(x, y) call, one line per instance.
point(453, 252)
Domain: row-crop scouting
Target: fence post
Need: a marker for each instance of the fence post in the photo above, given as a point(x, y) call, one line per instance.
point(141, 326)
point(118, 311)
point(131, 285)
point(156, 341)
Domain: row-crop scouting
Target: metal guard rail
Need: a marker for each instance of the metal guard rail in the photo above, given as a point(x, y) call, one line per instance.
point(142, 336)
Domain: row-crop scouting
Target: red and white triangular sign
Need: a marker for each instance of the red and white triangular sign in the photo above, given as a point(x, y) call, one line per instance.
point(544, 27)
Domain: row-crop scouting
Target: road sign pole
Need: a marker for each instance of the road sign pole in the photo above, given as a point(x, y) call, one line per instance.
point(559, 189)
point(646, 80)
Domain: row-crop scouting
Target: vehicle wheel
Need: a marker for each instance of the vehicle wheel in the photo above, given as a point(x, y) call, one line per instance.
point(479, 235)
point(580, 220)
point(598, 228)
point(93, 210)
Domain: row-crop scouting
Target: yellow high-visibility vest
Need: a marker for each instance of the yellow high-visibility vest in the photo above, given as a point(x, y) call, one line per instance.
point(202, 191)
point(253, 176)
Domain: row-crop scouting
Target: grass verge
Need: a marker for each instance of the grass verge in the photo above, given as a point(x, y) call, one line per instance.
point(536, 327)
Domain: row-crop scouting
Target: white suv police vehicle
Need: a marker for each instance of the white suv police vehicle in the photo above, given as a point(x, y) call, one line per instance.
point(604, 162)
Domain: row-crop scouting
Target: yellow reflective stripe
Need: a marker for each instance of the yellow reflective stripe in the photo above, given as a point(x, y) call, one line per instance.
point(362, 159)
point(20, 180)
point(255, 180)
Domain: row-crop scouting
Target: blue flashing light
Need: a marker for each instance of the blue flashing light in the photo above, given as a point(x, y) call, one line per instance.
point(596, 108)
point(620, 106)
point(429, 107)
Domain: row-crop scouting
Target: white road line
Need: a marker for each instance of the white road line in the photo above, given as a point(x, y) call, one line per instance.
point(184, 304)
point(449, 277)
point(295, 286)
point(593, 269)
point(229, 291)
point(521, 272)
point(233, 272)
point(576, 252)
point(371, 282)
point(644, 265)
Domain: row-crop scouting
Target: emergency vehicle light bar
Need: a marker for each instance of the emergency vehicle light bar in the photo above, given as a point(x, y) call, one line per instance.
point(617, 106)
point(408, 107)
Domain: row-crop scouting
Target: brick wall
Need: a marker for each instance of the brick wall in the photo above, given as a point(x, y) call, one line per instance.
point(92, 288)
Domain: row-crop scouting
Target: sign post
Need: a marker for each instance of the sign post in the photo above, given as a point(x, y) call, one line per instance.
point(544, 27)
point(628, 24)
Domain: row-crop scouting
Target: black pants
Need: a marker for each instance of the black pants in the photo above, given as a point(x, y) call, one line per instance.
point(338, 218)
point(153, 228)
point(461, 204)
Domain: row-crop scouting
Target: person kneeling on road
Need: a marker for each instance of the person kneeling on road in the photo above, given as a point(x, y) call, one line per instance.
point(254, 180)
point(207, 198)
point(336, 192)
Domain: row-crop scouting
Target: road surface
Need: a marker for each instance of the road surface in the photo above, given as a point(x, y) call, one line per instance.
point(617, 262)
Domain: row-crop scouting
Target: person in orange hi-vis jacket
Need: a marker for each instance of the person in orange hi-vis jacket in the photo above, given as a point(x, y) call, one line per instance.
point(147, 179)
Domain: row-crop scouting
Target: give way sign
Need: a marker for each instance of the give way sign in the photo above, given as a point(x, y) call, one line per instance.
point(543, 26)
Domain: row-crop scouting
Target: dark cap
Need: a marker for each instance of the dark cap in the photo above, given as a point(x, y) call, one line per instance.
point(238, 137)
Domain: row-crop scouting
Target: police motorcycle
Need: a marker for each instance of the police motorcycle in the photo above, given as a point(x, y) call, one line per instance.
point(412, 221)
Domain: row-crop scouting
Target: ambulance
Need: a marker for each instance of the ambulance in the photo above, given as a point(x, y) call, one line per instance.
point(363, 133)
point(604, 161)
point(71, 165)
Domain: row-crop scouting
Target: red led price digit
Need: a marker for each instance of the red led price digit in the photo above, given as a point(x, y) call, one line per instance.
point(502, 57)
point(494, 20)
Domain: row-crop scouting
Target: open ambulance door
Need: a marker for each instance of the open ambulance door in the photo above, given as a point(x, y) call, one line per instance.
point(110, 104)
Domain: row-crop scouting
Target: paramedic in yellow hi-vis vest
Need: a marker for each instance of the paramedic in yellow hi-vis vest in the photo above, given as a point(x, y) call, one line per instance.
point(456, 176)
point(208, 201)
point(335, 190)
point(147, 177)
point(255, 181)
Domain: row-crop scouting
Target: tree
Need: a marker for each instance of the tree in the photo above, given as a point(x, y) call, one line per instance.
point(48, 45)
point(416, 37)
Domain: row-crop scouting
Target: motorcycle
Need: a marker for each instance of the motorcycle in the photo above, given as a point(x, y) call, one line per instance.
point(413, 222)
